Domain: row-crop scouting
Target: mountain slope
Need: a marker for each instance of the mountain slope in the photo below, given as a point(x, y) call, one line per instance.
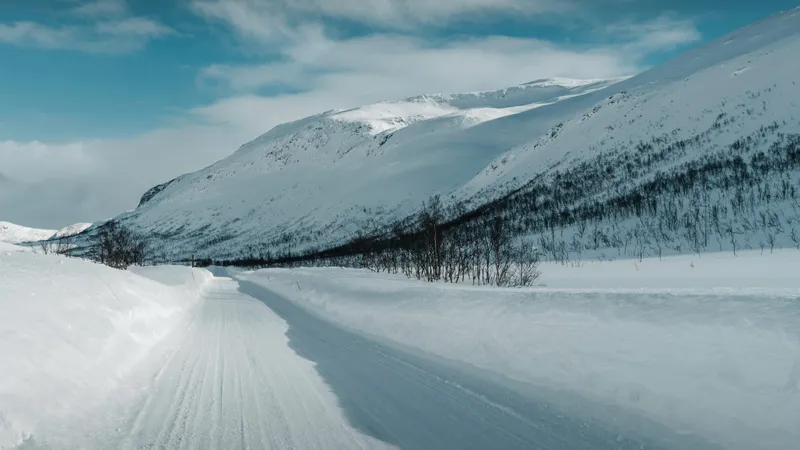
point(549, 154)
point(747, 77)
point(17, 234)
point(329, 175)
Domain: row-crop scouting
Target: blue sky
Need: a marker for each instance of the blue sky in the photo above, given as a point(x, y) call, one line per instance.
point(85, 84)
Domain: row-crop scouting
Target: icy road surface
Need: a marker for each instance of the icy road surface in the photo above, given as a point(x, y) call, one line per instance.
point(254, 371)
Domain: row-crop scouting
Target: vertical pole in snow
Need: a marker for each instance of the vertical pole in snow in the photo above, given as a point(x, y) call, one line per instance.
point(192, 260)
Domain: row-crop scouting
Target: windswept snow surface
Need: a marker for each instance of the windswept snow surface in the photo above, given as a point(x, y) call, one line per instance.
point(71, 330)
point(708, 347)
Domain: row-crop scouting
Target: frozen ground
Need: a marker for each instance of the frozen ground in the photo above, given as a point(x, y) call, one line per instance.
point(706, 346)
point(684, 353)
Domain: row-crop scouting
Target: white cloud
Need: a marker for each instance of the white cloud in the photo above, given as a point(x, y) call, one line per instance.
point(133, 27)
point(248, 78)
point(102, 8)
point(258, 16)
point(109, 29)
point(344, 74)
point(58, 184)
point(665, 32)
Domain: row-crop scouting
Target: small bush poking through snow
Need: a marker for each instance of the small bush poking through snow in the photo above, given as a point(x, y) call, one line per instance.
point(119, 247)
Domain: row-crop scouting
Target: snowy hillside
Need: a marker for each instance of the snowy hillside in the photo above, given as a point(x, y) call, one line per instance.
point(637, 161)
point(329, 174)
point(701, 154)
point(732, 87)
point(71, 230)
point(17, 234)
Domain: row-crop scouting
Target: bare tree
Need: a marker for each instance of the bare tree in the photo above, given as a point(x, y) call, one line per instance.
point(119, 247)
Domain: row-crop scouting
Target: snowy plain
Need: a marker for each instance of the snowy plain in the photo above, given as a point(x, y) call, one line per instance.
point(685, 352)
point(708, 346)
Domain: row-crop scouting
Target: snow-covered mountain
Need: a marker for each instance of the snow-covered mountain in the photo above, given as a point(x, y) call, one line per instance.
point(323, 180)
point(71, 230)
point(330, 174)
point(17, 234)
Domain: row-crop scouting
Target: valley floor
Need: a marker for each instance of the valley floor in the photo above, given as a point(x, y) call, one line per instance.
point(334, 358)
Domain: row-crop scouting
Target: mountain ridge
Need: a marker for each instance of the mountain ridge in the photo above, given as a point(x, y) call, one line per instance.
point(321, 181)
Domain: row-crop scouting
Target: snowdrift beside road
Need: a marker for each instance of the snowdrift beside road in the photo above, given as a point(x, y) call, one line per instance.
point(70, 329)
point(709, 346)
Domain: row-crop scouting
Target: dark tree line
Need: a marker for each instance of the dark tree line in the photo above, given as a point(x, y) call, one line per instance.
point(428, 247)
point(639, 200)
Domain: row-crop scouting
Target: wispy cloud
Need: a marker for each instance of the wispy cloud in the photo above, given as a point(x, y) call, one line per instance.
point(389, 64)
point(102, 8)
point(104, 26)
point(270, 16)
point(665, 32)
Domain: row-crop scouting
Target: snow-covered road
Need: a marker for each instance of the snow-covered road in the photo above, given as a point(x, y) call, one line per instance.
point(233, 382)
point(254, 371)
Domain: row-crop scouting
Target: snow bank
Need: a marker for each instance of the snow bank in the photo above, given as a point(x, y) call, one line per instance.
point(70, 329)
point(709, 346)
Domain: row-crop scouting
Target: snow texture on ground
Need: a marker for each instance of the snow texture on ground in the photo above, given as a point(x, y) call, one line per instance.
point(706, 346)
point(250, 369)
point(225, 379)
point(70, 330)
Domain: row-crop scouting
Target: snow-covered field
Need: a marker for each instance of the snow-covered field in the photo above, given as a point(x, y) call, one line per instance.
point(689, 352)
point(706, 345)
point(70, 330)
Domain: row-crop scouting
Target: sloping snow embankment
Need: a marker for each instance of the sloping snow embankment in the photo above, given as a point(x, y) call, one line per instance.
point(70, 330)
point(705, 345)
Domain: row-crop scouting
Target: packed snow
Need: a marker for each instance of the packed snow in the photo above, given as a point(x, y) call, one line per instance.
point(225, 378)
point(70, 330)
point(707, 346)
